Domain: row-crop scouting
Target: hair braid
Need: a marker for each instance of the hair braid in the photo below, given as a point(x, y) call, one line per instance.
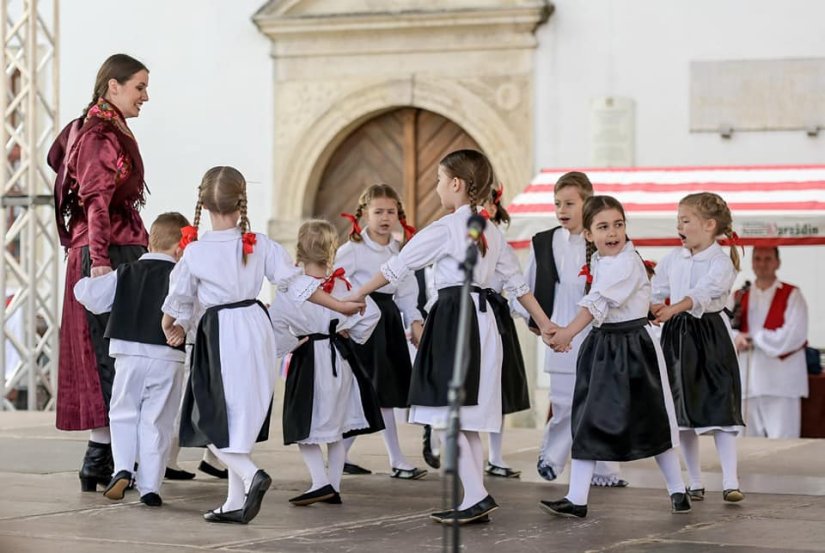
point(243, 220)
point(473, 195)
point(198, 208)
point(590, 249)
point(359, 212)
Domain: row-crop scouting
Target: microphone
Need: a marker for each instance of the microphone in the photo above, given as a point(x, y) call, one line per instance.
point(475, 227)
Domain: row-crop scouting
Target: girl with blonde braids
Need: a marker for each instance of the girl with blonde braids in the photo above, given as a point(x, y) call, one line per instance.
point(229, 394)
point(697, 339)
point(464, 181)
point(385, 355)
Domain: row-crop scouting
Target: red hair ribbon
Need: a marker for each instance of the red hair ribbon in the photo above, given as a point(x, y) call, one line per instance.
point(409, 230)
point(734, 238)
point(484, 213)
point(498, 194)
point(188, 234)
point(329, 282)
point(356, 228)
point(585, 272)
point(650, 264)
point(249, 240)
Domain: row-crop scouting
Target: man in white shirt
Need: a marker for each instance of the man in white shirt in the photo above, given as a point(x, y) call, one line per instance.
point(771, 344)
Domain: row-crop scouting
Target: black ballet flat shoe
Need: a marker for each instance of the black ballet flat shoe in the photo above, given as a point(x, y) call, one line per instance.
point(212, 470)
point(733, 495)
point(117, 487)
point(679, 503)
point(353, 469)
point(334, 500)
point(151, 499)
point(501, 472)
point(321, 494)
point(97, 467)
point(545, 470)
point(564, 508)
point(217, 515)
point(432, 460)
point(408, 474)
point(438, 517)
point(697, 494)
point(178, 474)
point(471, 514)
point(255, 496)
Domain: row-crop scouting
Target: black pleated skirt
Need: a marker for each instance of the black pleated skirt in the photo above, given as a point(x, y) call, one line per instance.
point(385, 357)
point(433, 368)
point(515, 394)
point(299, 393)
point(619, 401)
point(204, 417)
point(703, 371)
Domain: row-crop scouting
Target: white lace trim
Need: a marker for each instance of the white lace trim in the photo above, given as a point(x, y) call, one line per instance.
point(598, 307)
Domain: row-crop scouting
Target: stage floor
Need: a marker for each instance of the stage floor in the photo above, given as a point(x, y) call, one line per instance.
point(42, 509)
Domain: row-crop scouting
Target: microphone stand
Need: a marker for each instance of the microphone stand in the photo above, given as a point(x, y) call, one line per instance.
point(456, 391)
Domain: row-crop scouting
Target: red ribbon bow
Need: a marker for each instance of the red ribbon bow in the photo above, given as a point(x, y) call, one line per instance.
point(484, 213)
point(188, 234)
point(585, 272)
point(409, 230)
point(329, 282)
point(497, 194)
point(650, 264)
point(356, 228)
point(249, 240)
point(734, 238)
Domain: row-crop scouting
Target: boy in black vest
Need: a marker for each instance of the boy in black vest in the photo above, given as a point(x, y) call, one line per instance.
point(148, 372)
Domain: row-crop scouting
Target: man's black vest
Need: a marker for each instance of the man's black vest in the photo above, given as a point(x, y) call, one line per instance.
point(136, 312)
point(547, 275)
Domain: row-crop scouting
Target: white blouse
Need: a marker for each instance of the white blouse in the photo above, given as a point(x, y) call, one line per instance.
point(361, 260)
point(620, 290)
point(443, 244)
point(706, 278)
point(211, 272)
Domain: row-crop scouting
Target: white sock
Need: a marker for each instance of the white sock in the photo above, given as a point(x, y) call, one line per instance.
point(726, 448)
point(100, 435)
point(689, 442)
point(581, 472)
point(390, 434)
point(174, 451)
point(435, 442)
point(241, 471)
point(314, 460)
point(347, 446)
point(336, 456)
point(210, 458)
point(494, 456)
point(477, 447)
point(672, 471)
point(469, 469)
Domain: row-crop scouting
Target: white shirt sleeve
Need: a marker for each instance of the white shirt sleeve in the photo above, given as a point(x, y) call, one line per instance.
point(285, 340)
point(612, 286)
point(183, 287)
point(406, 297)
point(792, 335)
point(530, 278)
point(425, 248)
point(280, 270)
point(508, 270)
point(660, 283)
point(97, 294)
point(716, 283)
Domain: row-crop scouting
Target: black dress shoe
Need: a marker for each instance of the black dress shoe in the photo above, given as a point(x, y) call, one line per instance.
point(564, 508)
point(433, 460)
point(321, 494)
point(471, 514)
point(352, 468)
point(438, 516)
point(697, 494)
point(151, 499)
point(334, 500)
point(97, 468)
point(255, 496)
point(217, 515)
point(501, 472)
point(178, 474)
point(408, 474)
point(117, 487)
point(212, 470)
point(679, 503)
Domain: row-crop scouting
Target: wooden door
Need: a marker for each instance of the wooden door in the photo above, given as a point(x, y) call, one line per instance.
point(401, 148)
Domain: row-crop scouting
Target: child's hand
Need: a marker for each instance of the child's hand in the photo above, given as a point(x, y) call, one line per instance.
point(175, 336)
point(743, 342)
point(560, 340)
point(656, 307)
point(345, 334)
point(416, 330)
point(664, 314)
point(351, 307)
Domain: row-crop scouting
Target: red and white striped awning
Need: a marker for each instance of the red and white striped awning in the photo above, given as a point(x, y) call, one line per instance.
point(772, 205)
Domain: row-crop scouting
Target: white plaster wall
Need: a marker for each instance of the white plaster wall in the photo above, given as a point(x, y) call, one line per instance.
point(642, 49)
point(210, 90)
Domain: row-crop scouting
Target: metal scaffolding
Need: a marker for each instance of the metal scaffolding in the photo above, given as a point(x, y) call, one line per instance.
point(31, 252)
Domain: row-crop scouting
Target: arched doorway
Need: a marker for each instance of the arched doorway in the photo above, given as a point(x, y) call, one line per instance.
point(401, 148)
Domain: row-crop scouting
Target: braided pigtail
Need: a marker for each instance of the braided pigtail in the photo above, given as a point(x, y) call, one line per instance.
point(590, 249)
point(473, 195)
point(243, 223)
point(355, 231)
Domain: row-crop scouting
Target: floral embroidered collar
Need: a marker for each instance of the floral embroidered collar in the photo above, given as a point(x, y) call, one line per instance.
point(105, 110)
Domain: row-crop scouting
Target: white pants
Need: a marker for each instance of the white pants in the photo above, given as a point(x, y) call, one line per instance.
point(557, 440)
point(773, 417)
point(145, 399)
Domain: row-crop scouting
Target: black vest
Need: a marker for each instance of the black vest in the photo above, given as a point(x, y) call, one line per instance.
point(136, 312)
point(546, 273)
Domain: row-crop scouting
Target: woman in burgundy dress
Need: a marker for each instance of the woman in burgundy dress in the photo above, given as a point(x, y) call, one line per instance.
point(98, 191)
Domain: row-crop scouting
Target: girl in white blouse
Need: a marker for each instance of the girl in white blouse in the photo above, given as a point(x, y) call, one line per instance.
point(385, 355)
point(229, 394)
point(697, 339)
point(464, 181)
point(622, 407)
